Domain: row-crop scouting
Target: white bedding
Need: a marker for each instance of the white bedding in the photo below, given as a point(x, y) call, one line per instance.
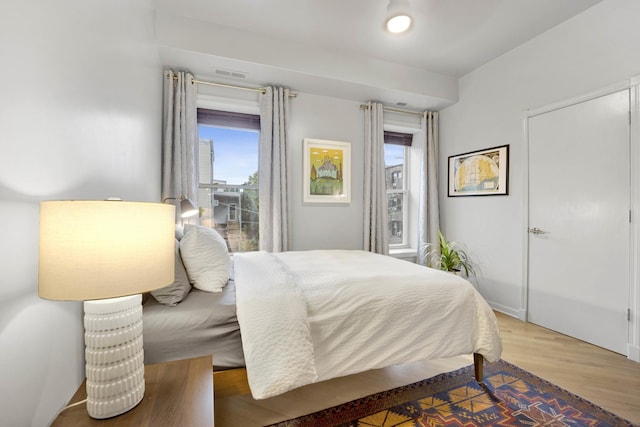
point(313, 315)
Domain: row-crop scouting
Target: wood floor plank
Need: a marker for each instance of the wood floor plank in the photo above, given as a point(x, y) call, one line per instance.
point(601, 376)
point(596, 374)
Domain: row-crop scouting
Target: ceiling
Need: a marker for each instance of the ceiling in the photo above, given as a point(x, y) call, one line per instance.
point(449, 37)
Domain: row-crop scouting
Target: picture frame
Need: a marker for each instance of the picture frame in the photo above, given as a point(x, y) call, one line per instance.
point(479, 173)
point(326, 171)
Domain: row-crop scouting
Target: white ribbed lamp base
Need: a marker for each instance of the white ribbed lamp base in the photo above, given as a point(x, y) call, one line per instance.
point(114, 355)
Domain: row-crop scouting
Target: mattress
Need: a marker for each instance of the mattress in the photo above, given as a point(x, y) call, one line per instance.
point(204, 323)
point(309, 316)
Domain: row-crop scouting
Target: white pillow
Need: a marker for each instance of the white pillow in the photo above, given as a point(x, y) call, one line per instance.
point(206, 258)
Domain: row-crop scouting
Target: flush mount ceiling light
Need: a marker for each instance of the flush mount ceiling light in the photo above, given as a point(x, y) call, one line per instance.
point(398, 16)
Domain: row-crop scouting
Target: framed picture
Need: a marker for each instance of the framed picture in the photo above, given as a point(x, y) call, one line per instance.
point(480, 173)
point(326, 171)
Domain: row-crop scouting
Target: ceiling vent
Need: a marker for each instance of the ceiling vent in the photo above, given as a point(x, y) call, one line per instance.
point(231, 73)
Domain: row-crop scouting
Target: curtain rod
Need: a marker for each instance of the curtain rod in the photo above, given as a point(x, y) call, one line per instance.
point(253, 89)
point(230, 86)
point(396, 110)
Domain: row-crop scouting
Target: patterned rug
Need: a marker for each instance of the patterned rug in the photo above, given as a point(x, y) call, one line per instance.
point(511, 397)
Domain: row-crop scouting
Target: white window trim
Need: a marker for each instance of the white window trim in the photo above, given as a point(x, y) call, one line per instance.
point(214, 98)
point(397, 122)
point(224, 103)
point(405, 202)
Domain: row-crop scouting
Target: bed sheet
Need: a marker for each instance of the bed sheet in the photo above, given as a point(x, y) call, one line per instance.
point(203, 323)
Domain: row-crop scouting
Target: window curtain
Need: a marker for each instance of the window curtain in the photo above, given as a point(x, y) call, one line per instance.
point(428, 208)
point(180, 140)
point(376, 236)
point(273, 182)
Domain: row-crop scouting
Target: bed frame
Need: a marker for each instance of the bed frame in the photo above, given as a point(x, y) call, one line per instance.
point(478, 365)
point(233, 382)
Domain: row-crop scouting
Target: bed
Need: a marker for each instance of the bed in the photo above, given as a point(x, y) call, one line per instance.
point(300, 317)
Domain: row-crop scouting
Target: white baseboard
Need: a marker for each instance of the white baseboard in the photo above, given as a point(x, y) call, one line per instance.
point(510, 311)
point(522, 314)
point(633, 352)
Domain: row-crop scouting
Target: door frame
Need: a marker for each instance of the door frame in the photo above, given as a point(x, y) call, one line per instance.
point(633, 84)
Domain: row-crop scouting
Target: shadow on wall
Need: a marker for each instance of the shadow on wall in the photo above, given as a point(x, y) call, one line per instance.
point(41, 340)
point(34, 336)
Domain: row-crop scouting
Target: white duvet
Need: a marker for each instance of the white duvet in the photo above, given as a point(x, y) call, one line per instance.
point(313, 315)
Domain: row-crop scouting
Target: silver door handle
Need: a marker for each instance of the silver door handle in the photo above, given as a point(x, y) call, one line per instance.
point(536, 231)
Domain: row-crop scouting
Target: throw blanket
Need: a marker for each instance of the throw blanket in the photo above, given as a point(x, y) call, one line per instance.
point(313, 315)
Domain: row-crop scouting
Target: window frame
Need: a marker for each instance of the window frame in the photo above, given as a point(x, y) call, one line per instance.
point(405, 140)
point(242, 121)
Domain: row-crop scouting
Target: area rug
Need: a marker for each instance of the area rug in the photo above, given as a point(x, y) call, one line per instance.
point(510, 397)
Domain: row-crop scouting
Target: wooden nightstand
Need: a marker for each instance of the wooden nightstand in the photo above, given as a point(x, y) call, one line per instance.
point(176, 393)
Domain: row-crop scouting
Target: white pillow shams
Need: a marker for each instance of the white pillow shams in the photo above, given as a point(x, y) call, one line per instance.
point(206, 258)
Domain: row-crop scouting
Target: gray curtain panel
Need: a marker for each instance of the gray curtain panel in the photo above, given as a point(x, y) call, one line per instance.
point(180, 140)
point(273, 182)
point(376, 236)
point(428, 209)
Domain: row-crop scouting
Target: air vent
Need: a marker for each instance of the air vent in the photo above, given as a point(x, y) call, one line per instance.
point(401, 104)
point(231, 73)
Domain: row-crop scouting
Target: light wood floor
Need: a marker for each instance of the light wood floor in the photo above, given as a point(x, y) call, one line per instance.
point(603, 377)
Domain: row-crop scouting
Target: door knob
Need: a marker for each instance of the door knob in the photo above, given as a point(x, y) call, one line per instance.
point(536, 231)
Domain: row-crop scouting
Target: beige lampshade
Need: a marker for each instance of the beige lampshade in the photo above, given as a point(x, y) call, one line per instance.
point(103, 249)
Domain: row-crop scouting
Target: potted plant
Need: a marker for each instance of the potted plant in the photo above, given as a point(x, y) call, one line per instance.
point(450, 258)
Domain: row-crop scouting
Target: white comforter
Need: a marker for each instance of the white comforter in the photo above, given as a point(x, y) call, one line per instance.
point(313, 315)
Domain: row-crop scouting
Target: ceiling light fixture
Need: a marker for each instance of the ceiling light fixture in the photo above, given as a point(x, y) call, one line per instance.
point(398, 16)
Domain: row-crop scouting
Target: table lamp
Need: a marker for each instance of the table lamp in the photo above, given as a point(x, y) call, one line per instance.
point(106, 253)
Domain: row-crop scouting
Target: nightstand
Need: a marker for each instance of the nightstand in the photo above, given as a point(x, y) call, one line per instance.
point(177, 393)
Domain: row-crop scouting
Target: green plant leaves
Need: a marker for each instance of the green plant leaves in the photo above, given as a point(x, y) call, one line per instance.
point(451, 258)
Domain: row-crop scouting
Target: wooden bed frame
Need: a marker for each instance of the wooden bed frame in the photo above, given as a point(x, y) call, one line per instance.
point(232, 382)
point(478, 365)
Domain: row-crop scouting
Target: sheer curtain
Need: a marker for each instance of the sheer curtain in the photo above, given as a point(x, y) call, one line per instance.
point(376, 236)
point(428, 209)
point(273, 183)
point(180, 140)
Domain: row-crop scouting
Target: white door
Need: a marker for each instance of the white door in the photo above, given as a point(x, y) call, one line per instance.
point(579, 193)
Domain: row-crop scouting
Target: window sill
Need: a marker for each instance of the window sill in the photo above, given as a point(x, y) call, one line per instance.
point(408, 254)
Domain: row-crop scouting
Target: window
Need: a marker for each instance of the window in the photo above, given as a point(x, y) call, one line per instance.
point(396, 155)
point(228, 171)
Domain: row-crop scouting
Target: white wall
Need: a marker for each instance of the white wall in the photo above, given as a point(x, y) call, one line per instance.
point(595, 49)
point(315, 225)
point(80, 117)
